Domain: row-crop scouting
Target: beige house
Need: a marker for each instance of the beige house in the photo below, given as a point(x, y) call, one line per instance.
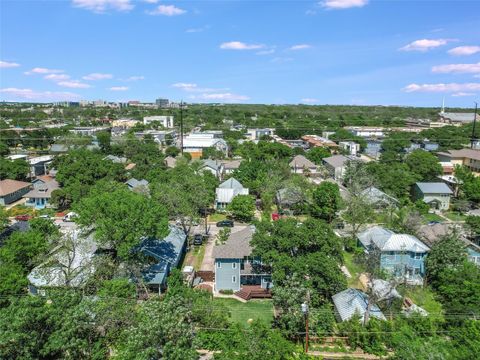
point(300, 164)
point(466, 157)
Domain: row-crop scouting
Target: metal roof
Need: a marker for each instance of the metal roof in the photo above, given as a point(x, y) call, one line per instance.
point(375, 196)
point(353, 301)
point(461, 117)
point(434, 188)
point(387, 240)
point(231, 183)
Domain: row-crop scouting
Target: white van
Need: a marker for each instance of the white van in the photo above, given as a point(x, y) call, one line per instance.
point(70, 216)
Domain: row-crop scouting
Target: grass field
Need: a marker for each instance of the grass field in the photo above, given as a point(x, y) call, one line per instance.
point(432, 217)
point(254, 309)
point(217, 217)
point(424, 297)
point(455, 216)
point(199, 253)
point(354, 269)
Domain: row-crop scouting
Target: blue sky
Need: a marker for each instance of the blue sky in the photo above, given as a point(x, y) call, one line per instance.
point(323, 52)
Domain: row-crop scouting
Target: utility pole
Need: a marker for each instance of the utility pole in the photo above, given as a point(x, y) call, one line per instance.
point(181, 127)
point(474, 124)
point(305, 313)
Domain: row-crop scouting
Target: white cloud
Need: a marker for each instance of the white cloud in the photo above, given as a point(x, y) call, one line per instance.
point(457, 68)
point(221, 97)
point(39, 70)
point(197, 30)
point(280, 60)
point(265, 52)
point(97, 76)
point(450, 87)
point(166, 10)
point(464, 50)
point(463, 94)
point(101, 6)
point(118, 88)
point(57, 77)
point(425, 44)
point(29, 94)
point(74, 84)
point(309, 101)
point(151, 1)
point(342, 4)
point(238, 45)
point(300, 47)
point(191, 87)
point(135, 78)
point(6, 64)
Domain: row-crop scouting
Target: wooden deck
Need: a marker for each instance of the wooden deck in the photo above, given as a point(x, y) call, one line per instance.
point(248, 292)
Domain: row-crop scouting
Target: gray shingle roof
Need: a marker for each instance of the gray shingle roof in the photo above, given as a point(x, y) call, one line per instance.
point(375, 196)
point(352, 301)
point(434, 188)
point(237, 246)
point(301, 161)
point(336, 161)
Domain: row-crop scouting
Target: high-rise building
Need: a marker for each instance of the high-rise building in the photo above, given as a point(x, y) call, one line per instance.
point(162, 102)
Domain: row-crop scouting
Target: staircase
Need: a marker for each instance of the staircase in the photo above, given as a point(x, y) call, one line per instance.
point(248, 292)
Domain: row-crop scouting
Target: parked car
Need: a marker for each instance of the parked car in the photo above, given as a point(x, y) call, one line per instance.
point(198, 239)
point(24, 217)
point(225, 223)
point(70, 216)
point(44, 217)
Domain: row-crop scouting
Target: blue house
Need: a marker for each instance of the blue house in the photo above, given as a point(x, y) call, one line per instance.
point(40, 195)
point(165, 255)
point(236, 270)
point(401, 255)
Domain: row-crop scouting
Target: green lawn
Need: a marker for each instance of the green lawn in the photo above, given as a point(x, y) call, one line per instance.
point(423, 297)
point(199, 253)
point(354, 269)
point(217, 217)
point(432, 217)
point(254, 309)
point(455, 216)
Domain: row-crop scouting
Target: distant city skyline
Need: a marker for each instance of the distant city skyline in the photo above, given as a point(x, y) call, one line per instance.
point(356, 52)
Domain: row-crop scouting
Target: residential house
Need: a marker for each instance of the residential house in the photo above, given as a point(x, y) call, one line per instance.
point(435, 194)
point(166, 254)
point(377, 198)
point(71, 263)
point(366, 131)
point(116, 159)
point(351, 147)
point(229, 166)
point(351, 302)
point(337, 164)
point(40, 195)
point(38, 165)
point(401, 255)
point(12, 190)
point(257, 134)
point(235, 268)
point(466, 157)
point(196, 142)
point(290, 198)
point(473, 253)
point(226, 191)
point(213, 166)
point(318, 141)
point(162, 137)
point(138, 185)
point(301, 165)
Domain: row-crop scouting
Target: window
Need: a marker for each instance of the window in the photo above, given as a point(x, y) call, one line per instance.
point(234, 265)
point(234, 279)
point(219, 264)
point(418, 256)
